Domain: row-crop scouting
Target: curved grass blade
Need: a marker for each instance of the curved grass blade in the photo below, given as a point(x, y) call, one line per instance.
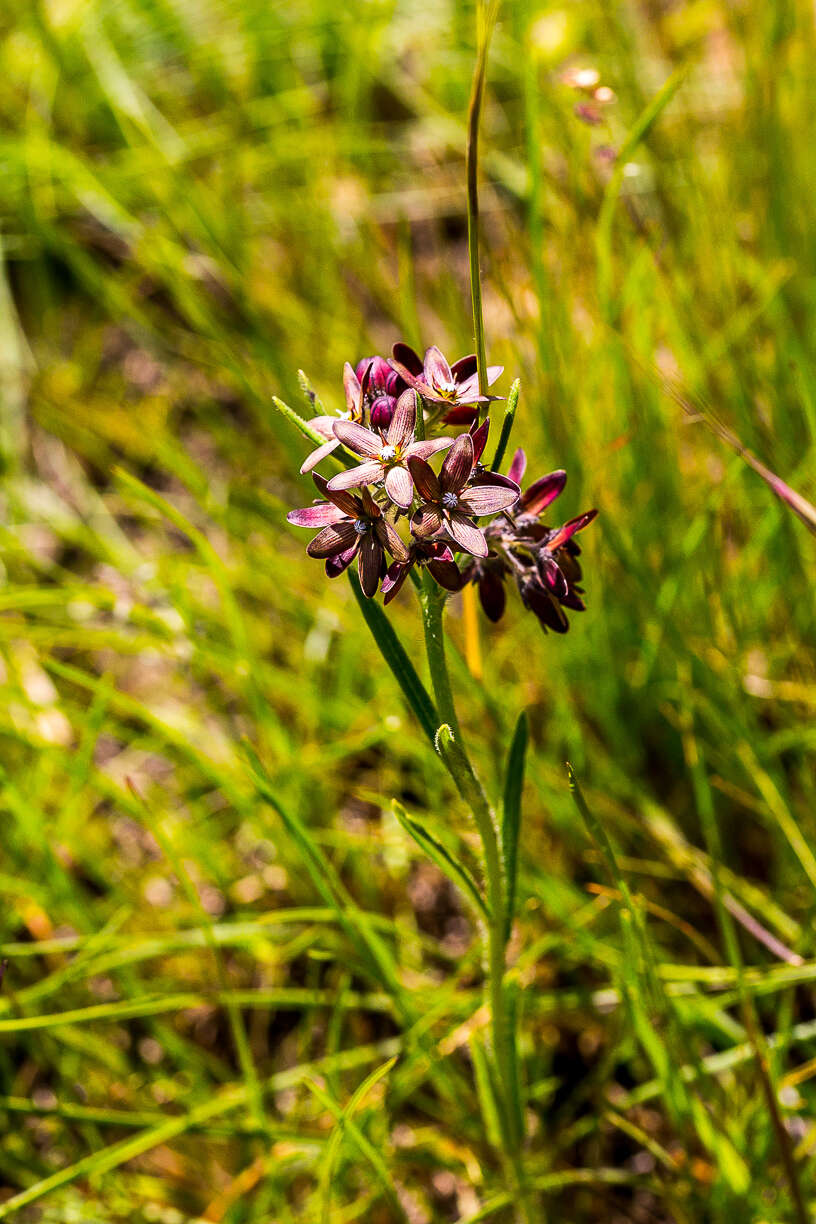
point(444, 860)
point(511, 813)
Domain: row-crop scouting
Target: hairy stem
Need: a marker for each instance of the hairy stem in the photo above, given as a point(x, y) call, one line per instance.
point(454, 753)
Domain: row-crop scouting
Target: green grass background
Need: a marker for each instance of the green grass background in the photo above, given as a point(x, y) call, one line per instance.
point(196, 200)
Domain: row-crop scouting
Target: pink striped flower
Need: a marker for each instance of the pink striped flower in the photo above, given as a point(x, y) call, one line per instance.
point(387, 455)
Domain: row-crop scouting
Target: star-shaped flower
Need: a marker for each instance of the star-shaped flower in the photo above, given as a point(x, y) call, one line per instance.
point(456, 386)
point(351, 526)
point(448, 503)
point(387, 455)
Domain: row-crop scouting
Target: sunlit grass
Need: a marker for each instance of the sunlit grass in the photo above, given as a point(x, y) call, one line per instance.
point(197, 201)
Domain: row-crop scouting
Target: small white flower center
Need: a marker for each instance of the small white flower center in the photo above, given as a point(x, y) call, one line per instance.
point(450, 501)
point(360, 526)
point(388, 453)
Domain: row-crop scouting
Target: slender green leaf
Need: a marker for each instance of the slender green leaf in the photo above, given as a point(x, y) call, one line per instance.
point(511, 813)
point(457, 873)
point(395, 656)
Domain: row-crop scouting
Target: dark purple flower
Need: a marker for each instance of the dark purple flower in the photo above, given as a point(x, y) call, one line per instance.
point(351, 526)
point(456, 386)
point(450, 503)
point(543, 560)
point(436, 555)
point(387, 456)
point(357, 394)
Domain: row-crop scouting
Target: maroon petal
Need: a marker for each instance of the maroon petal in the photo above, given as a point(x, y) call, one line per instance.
point(335, 566)
point(317, 456)
point(425, 479)
point(403, 421)
point(466, 534)
point(437, 371)
point(390, 539)
point(393, 580)
point(358, 438)
point(573, 601)
point(464, 368)
point(519, 466)
point(333, 540)
point(494, 478)
point(542, 492)
point(426, 521)
point(399, 486)
point(458, 465)
point(355, 478)
point(552, 576)
point(487, 499)
point(460, 414)
point(446, 574)
point(479, 437)
point(353, 390)
point(570, 528)
point(426, 448)
point(492, 596)
point(406, 357)
point(347, 502)
point(541, 603)
point(369, 561)
point(320, 515)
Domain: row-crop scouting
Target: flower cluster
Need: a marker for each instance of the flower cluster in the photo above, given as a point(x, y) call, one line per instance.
point(389, 433)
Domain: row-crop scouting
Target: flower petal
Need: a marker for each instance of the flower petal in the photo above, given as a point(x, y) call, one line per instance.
point(446, 574)
point(466, 534)
point(357, 438)
point(437, 371)
point(518, 466)
point(369, 560)
point(458, 465)
point(428, 447)
point(333, 540)
point(424, 479)
point(351, 386)
point(468, 391)
point(317, 456)
point(570, 528)
point(335, 566)
point(393, 580)
point(542, 492)
point(406, 357)
point(427, 520)
point(390, 539)
point(479, 437)
point(487, 499)
point(492, 595)
point(460, 414)
point(552, 577)
point(464, 368)
point(399, 486)
point(347, 502)
point(403, 422)
point(494, 372)
point(324, 425)
point(355, 478)
point(319, 515)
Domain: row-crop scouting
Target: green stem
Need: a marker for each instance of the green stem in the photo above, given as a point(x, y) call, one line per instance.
point(485, 16)
point(453, 751)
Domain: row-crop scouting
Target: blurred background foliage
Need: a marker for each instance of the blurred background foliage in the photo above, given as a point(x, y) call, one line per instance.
point(197, 200)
